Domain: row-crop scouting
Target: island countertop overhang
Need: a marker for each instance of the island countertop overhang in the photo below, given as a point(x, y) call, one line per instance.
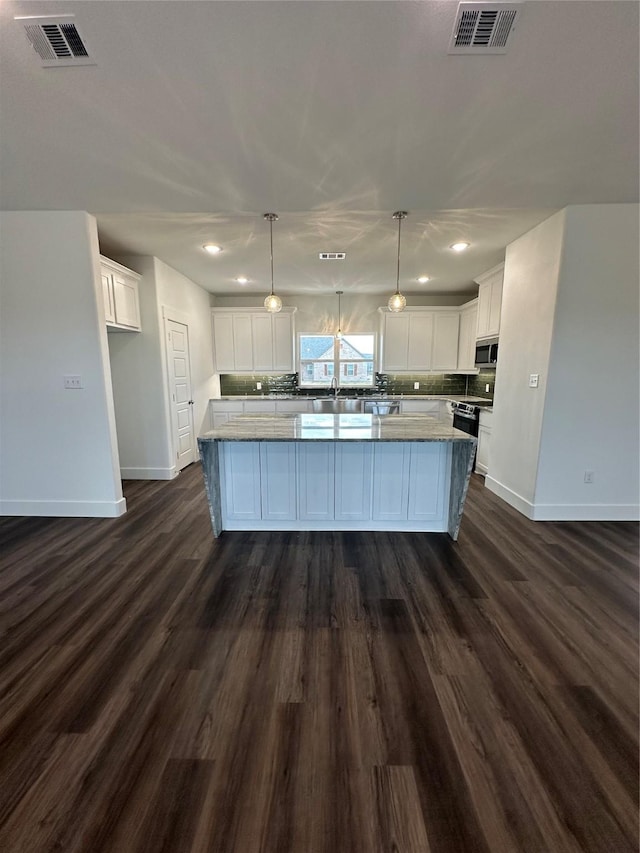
point(330, 427)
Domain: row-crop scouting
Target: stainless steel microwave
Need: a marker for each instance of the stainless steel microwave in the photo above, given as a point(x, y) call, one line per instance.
point(487, 353)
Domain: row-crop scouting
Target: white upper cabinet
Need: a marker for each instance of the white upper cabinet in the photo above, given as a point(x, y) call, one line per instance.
point(446, 327)
point(489, 302)
point(248, 340)
point(120, 295)
point(467, 337)
point(420, 339)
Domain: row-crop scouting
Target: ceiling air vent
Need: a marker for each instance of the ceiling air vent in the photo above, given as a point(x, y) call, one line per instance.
point(57, 41)
point(483, 27)
point(332, 256)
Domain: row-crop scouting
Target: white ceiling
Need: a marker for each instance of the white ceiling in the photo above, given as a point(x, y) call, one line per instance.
point(201, 116)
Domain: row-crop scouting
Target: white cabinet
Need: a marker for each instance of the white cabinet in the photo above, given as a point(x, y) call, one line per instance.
point(278, 480)
point(316, 467)
point(489, 302)
point(420, 339)
point(468, 334)
point(294, 407)
point(241, 477)
point(484, 442)
point(120, 295)
point(327, 485)
point(446, 328)
point(220, 411)
point(251, 340)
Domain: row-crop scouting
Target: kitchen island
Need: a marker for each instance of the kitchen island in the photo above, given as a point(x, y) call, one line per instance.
point(336, 472)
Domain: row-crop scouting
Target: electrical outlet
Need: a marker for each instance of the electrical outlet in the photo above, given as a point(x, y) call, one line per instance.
point(73, 382)
point(486, 388)
point(533, 380)
point(588, 476)
point(416, 386)
point(258, 386)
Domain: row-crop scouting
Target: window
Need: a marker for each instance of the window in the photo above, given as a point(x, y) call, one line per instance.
point(349, 358)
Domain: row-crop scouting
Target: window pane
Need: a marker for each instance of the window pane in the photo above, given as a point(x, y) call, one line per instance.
point(356, 346)
point(316, 347)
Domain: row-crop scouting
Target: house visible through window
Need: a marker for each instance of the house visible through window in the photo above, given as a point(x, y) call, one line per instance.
point(350, 359)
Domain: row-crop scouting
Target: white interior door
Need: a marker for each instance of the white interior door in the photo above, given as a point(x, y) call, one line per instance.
point(180, 393)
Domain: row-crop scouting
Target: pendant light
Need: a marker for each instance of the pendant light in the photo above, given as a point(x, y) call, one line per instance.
point(272, 303)
point(339, 332)
point(397, 302)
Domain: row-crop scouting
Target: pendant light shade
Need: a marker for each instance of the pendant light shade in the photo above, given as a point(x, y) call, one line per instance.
point(339, 331)
point(398, 302)
point(272, 303)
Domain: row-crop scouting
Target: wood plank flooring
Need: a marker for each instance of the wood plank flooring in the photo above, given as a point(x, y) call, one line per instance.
point(162, 692)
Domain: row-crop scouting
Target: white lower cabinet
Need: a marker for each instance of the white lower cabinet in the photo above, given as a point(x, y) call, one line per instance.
point(241, 477)
point(484, 442)
point(327, 485)
point(422, 407)
point(426, 465)
point(390, 485)
point(278, 480)
point(316, 477)
point(353, 486)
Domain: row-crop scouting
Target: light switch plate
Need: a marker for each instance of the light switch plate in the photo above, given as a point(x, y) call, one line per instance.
point(533, 380)
point(258, 386)
point(416, 386)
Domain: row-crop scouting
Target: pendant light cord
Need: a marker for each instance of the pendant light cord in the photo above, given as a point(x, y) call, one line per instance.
point(271, 243)
point(398, 271)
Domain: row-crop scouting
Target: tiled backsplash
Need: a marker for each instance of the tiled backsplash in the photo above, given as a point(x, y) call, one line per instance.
point(390, 383)
point(478, 383)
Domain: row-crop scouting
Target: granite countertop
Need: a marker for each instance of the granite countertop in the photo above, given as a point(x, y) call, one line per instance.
point(347, 427)
point(458, 398)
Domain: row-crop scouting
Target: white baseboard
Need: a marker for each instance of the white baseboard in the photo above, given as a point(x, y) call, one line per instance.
point(586, 512)
point(512, 498)
point(148, 473)
point(563, 512)
point(65, 509)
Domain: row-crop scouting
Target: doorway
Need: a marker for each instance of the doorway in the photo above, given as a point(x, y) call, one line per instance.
point(180, 397)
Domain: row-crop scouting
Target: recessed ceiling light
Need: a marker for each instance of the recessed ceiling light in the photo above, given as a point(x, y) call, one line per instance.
point(459, 247)
point(212, 248)
point(423, 279)
point(242, 279)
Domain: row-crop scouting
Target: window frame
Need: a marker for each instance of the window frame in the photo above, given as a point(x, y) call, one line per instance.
point(336, 363)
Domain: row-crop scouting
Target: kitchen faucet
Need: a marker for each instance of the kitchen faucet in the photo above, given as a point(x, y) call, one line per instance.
point(334, 386)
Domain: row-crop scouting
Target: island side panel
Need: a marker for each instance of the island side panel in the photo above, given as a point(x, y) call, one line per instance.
point(210, 454)
point(462, 455)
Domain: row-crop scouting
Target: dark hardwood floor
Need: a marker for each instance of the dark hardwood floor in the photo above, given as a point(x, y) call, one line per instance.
point(307, 692)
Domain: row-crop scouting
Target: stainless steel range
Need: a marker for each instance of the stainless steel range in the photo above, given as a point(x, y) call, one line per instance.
point(466, 416)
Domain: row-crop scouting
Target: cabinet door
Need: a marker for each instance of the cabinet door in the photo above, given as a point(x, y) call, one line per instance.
point(353, 481)
point(242, 342)
point(482, 458)
point(223, 342)
point(427, 471)
point(293, 406)
point(254, 407)
point(495, 304)
point(445, 341)
point(241, 492)
point(316, 481)
point(262, 340)
point(395, 345)
point(107, 295)
point(484, 307)
point(283, 342)
point(467, 339)
point(390, 487)
point(419, 355)
point(278, 480)
point(125, 300)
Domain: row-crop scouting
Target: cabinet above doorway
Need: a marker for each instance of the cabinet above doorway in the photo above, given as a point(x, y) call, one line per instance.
point(120, 295)
point(248, 340)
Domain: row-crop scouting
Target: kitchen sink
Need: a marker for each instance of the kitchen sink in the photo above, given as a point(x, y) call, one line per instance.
point(337, 406)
